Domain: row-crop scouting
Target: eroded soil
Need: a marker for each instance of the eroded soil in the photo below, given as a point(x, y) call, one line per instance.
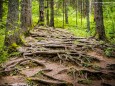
point(54, 57)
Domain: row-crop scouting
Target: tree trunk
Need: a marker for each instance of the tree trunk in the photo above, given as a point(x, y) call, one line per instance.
point(1, 9)
point(100, 30)
point(88, 19)
point(47, 15)
point(81, 11)
point(12, 27)
point(66, 12)
point(26, 15)
point(52, 13)
point(76, 12)
point(63, 12)
point(41, 13)
point(90, 6)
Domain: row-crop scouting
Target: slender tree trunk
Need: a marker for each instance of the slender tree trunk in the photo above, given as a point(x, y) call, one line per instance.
point(84, 8)
point(12, 27)
point(47, 15)
point(90, 6)
point(26, 15)
point(81, 11)
point(66, 12)
point(52, 13)
point(41, 13)
point(76, 12)
point(88, 19)
point(63, 12)
point(100, 30)
point(1, 9)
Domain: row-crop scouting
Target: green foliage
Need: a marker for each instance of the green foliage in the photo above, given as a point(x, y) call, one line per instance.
point(14, 45)
point(12, 48)
point(80, 29)
point(109, 52)
point(35, 10)
point(22, 38)
point(3, 56)
point(1, 38)
point(14, 54)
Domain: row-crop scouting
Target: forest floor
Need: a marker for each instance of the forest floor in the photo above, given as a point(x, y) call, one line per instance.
point(55, 57)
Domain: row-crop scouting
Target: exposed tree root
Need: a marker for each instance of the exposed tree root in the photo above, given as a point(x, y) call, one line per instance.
point(66, 48)
point(105, 84)
point(63, 71)
point(111, 67)
point(11, 66)
point(51, 82)
point(33, 60)
point(110, 75)
point(50, 77)
point(95, 75)
point(39, 71)
point(44, 53)
point(9, 71)
point(54, 46)
point(46, 70)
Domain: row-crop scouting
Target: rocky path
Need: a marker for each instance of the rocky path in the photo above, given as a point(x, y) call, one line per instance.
point(54, 57)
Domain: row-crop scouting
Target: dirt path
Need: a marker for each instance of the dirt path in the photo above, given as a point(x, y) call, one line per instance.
point(54, 57)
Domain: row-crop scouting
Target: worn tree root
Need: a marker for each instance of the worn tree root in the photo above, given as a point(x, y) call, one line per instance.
point(111, 66)
point(95, 75)
point(11, 66)
point(50, 77)
point(44, 53)
point(51, 82)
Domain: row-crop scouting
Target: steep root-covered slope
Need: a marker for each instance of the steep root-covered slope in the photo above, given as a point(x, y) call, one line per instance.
point(55, 57)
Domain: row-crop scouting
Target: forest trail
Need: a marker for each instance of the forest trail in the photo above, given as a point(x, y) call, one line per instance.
point(55, 57)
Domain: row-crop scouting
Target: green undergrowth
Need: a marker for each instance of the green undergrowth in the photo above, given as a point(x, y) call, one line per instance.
point(3, 54)
point(6, 52)
point(109, 52)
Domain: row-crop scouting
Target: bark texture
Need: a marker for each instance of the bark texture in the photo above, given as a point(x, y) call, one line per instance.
point(1, 9)
point(41, 13)
point(26, 15)
point(52, 13)
point(88, 18)
point(66, 11)
point(47, 15)
point(12, 27)
point(100, 30)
